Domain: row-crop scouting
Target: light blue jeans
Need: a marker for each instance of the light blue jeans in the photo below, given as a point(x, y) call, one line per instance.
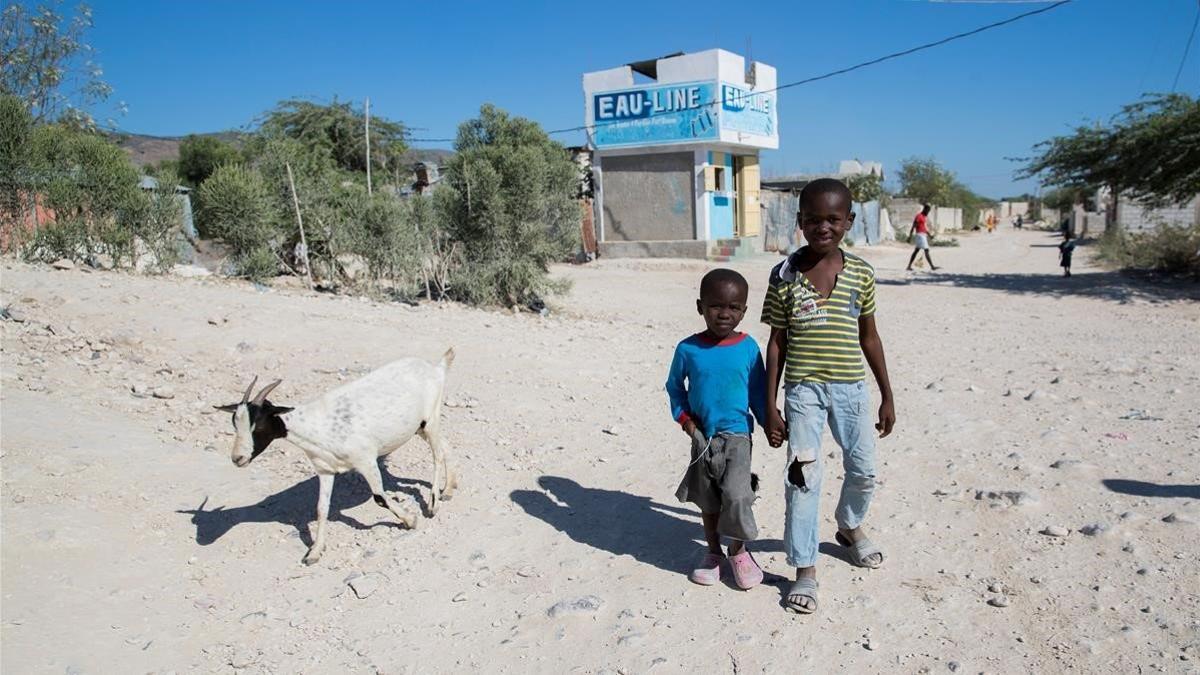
point(807, 408)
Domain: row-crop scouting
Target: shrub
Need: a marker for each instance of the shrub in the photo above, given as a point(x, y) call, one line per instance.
point(235, 205)
point(1169, 248)
point(507, 198)
point(93, 190)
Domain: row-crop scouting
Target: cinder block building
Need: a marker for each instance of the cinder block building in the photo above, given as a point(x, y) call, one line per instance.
point(676, 153)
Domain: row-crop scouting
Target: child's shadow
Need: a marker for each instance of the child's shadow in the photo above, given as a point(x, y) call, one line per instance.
point(621, 523)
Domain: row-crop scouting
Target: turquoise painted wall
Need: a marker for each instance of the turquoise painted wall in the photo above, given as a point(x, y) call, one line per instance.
point(721, 204)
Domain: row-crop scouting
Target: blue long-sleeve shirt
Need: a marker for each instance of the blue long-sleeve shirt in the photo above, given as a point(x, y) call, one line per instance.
point(718, 384)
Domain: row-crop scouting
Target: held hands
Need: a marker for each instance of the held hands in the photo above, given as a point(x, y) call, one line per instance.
point(776, 428)
point(689, 427)
point(887, 418)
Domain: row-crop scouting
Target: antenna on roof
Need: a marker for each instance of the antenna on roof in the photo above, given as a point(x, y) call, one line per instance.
point(751, 75)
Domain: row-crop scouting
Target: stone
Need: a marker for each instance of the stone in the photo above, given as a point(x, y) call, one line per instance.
point(140, 389)
point(614, 430)
point(1013, 497)
point(1037, 395)
point(1065, 463)
point(364, 585)
point(13, 314)
point(460, 597)
point(998, 601)
point(63, 264)
point(588, 604)
point(1094, 529)
point(217, 320)
point(974, 390)
point(1177, 518)
point(1055, 531)
point(164, 392)
point(996, 587)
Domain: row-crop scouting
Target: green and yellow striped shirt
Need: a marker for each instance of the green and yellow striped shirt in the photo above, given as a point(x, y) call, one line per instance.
point(822, 341)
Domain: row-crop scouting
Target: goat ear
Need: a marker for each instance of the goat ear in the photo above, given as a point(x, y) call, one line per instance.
point(281, 409)
point(231, 407)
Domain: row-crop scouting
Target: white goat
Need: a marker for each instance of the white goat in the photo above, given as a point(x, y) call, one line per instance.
point(350, 428)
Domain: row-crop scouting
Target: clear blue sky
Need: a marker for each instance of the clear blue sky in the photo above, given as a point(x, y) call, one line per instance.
point(186, 67)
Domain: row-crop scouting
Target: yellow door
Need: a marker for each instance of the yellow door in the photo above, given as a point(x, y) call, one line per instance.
point(749, 213)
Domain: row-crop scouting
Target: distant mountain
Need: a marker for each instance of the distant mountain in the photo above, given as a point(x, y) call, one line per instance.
point(145, 150)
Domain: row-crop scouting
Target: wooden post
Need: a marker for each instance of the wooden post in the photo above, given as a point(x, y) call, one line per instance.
point(300, 222)
point(367, 133)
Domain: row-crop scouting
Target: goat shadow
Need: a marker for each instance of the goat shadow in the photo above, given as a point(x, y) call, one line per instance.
point(622, 523)
point(297, 506)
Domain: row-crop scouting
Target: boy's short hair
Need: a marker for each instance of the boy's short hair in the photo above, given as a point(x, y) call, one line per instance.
point(822, 186)
point(720, 276)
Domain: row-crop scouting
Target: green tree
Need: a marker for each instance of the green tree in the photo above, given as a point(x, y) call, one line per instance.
point(47, 63)
point(199, 156)
point(866, 187)
point(923, 179)
point(1149, 152)
point(507, 197)
point(338, 129)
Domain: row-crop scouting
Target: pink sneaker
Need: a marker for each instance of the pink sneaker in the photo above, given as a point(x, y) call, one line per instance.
point(746, 572)
point(708, 572)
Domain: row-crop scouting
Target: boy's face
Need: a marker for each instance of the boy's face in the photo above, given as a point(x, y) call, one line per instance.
point(825, 219)
point(723, 308)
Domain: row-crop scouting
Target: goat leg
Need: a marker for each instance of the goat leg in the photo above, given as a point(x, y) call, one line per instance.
point(370, 471)
point(325, 482)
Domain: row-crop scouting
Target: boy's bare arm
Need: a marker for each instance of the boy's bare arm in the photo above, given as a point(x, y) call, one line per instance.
point(776, 348)
point(872, 347)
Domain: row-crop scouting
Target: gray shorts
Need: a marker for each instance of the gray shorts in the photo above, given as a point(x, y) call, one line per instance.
point(720, 483)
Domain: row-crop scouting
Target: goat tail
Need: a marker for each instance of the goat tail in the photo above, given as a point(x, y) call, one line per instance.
point(447, 359)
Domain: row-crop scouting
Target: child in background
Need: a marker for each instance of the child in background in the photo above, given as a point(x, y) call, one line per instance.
point(716, 381)
point(1065, 249)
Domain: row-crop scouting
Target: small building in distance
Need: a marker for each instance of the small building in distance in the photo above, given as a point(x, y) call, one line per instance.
point(676, 161)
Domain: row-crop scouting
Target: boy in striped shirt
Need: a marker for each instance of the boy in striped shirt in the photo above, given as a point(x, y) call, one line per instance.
point(820, 305)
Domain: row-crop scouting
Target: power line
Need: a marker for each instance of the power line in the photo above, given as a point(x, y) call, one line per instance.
point(842, 71)
point(864, 64)
point(1186, 49)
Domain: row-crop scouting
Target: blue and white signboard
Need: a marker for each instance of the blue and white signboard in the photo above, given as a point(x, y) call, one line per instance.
point(747, 112)
point(654, 115)
point(666, 114)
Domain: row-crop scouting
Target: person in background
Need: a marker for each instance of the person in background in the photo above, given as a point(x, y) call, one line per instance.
point(1065, 249)
point(919, 233)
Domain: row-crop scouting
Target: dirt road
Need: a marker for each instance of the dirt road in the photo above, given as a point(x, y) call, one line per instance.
point(131, 543)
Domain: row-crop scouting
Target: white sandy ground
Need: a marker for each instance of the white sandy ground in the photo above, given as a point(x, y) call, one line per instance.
point(132, 544)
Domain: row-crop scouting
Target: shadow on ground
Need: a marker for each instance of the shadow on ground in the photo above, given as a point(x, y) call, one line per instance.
point(1120, 287)
point(297, 506)
point(622, 524)
point(1140, 488)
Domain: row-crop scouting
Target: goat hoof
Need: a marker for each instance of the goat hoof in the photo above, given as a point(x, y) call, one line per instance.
point(312, 558)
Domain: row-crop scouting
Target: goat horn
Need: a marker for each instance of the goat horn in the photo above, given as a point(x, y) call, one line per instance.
point(249, 390)
point(262, 395)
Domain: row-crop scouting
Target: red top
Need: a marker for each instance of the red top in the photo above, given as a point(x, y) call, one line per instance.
point(919, 222)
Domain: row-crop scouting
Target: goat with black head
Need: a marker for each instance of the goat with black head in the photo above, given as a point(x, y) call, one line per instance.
point(350, 428)
point(255, 423)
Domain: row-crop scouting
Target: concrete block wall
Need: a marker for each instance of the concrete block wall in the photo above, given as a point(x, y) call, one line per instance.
point(1135, 217)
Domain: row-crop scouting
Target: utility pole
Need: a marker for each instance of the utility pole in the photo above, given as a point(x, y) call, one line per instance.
point(367, 133)
point(300, 222)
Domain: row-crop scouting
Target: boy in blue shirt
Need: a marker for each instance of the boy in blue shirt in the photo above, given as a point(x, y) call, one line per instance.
point(716, 380)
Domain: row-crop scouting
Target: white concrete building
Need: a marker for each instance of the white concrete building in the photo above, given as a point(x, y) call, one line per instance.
point(676, 144)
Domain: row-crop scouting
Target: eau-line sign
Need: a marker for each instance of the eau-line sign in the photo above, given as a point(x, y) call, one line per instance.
point(639, 103)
